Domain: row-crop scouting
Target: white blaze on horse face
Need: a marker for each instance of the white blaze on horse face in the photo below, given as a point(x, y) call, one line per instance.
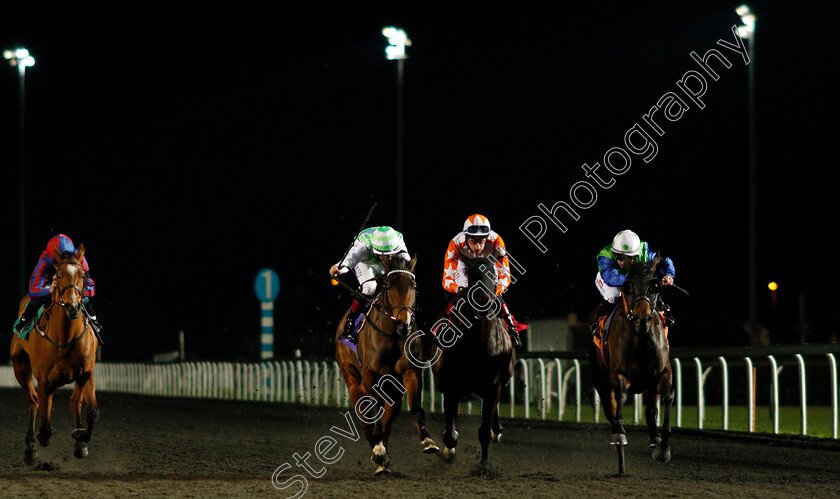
point(70, 272)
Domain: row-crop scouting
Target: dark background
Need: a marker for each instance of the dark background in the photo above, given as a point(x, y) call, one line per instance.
point(188, 147)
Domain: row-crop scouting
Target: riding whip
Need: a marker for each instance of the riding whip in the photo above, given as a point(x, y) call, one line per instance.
point(357, 232)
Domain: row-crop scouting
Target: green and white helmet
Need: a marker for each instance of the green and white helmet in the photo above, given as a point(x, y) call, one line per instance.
point(385, 240)
point(627, 243)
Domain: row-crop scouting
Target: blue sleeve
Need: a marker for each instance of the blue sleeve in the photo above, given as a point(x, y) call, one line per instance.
point(609, 272)
point(37, 283)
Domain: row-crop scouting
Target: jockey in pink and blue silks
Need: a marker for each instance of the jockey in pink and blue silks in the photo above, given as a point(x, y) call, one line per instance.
point(40, 284)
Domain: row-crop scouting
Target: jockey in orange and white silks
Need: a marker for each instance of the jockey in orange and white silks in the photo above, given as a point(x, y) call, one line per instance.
point(486, 242)
point(477, 240)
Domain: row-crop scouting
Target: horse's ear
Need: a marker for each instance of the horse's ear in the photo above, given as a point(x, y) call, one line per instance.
point(654, 263)
point(386, 262)
point(80, 253)
point(412, 263)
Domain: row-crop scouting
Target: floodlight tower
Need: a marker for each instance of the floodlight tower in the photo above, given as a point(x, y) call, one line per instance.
point(397, 42)
point(747, 32)
point(21, 59)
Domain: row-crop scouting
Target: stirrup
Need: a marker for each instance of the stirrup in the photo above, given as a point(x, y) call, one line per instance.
point(349, 332)
point(20, 324)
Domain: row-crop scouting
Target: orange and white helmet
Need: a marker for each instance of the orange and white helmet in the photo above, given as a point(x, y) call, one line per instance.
point(477, 226)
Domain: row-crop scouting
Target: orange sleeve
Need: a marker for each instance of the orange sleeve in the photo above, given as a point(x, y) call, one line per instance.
point(450, 264)
point(502, 265)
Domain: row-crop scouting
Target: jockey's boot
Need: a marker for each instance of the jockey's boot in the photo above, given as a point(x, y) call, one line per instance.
point(350, 334)
point(513, 326)
point(29, 312)
point(91, 315)
point(22, 322)
point(668, 314)
point(598, 315)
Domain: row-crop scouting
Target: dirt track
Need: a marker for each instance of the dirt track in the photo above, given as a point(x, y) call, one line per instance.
point(199, 448)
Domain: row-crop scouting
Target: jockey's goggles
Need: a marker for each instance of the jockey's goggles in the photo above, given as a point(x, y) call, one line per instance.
point(621, 258)
point(478, 230)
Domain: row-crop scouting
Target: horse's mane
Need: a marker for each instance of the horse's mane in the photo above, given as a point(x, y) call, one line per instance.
point(398, 264)
point(474, 269)
point(639, 270)
point(67, 257)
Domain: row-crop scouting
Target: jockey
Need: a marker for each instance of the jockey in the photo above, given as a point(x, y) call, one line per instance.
point(478, 240)
point(371, 247)
point(40, 284)
point(614, 261)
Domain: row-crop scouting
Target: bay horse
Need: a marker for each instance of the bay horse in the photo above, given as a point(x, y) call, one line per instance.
point(636, 359)
point(477, 356)
point(61, 349)
point(377, 371)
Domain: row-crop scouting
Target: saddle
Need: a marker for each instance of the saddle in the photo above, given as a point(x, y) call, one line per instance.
point(24, 333)
point(603, 332)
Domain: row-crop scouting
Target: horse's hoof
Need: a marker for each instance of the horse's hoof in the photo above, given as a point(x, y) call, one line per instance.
point(381, 470)
point(29, 457)
point(429, 446)
point(449, 454)
point(79, 435)
point(81, 451)
point(495, 437)
point(654, 442)
point(379, 455)
point(618, 439)
point(662, 455)
point(44, 440)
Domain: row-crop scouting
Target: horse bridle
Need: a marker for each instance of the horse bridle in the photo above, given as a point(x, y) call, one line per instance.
point(388, 311)
point(642, 297)
point(63, 305)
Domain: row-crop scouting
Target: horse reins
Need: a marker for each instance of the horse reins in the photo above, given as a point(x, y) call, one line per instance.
point(61, 303)
point(385, 309)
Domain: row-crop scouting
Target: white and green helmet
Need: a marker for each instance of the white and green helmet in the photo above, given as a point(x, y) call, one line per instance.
point(627, 243)
point(383, 240)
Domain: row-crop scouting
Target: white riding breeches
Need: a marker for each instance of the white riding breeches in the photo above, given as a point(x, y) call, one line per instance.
point(610, 293)
point(367, 274)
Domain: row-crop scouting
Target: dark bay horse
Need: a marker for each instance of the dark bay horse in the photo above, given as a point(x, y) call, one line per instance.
point(61, 349)
point(636, 359)
point(381, 373)
point(477, 356)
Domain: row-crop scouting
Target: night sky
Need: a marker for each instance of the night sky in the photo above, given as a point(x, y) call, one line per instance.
point(188, 148)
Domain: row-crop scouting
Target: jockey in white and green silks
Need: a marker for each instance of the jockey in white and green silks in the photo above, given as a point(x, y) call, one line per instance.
point(365, 258)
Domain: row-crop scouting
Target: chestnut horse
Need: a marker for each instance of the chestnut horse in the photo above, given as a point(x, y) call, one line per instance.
point(378, 371)
point(477, 356)
point(61, 349)
point(636, 359)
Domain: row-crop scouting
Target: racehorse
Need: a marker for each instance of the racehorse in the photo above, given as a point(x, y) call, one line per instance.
point(378, 372)
point(60, 349)
point(636, 359)
point(477, 356)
